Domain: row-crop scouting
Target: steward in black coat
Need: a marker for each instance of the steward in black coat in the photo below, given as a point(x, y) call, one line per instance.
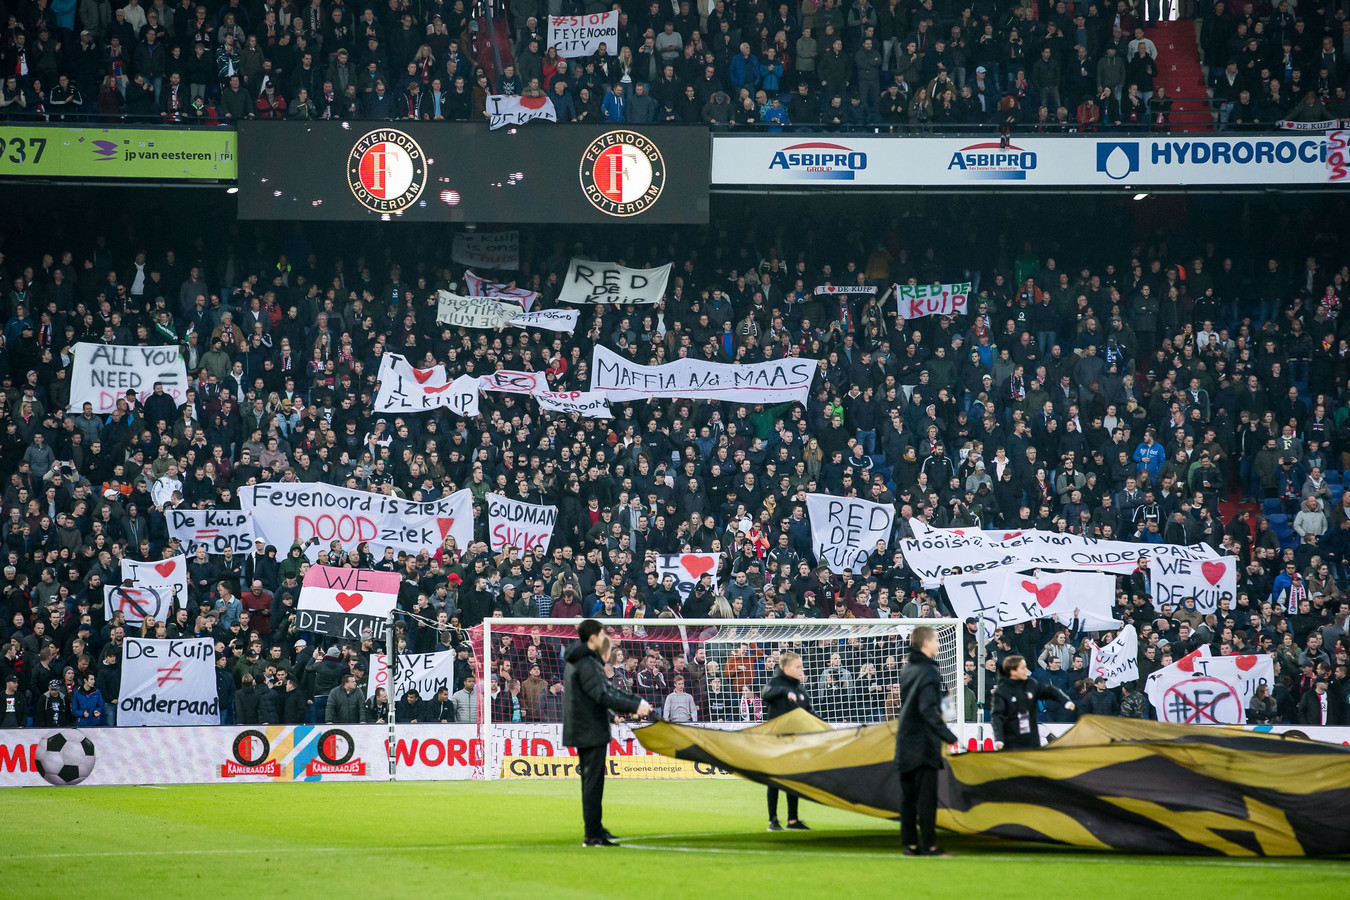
point(1014, 711)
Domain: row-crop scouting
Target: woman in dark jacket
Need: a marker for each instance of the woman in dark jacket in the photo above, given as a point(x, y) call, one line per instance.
point(780, 696)
point(920, 734)
point(1015, 698)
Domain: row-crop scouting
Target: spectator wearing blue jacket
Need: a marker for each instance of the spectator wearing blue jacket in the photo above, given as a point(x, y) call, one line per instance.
point(1149, 456)
point(86, 704)
point(615, 107)
point(744, 71)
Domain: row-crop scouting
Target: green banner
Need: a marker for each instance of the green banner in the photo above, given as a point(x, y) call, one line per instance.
point(45, 151)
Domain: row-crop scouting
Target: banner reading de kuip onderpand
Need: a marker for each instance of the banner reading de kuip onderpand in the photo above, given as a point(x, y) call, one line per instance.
point(845, 530)
point(169, 682)
point(285, 514)
point(103, 373)
point(779, 381)
point(574, 36)
point(590, 281)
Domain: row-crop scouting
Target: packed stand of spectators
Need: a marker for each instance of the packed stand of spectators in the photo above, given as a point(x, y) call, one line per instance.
point(899, 64)
point(1117, 392)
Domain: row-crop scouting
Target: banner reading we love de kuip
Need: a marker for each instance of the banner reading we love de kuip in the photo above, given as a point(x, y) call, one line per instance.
point(342, 602)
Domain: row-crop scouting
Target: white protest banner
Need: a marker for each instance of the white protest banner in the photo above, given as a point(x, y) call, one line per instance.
point(291, 513)
point(827, 289)
point(686, 569)
point(425, 673)
point(917, 300)
point(1003, 597)
point(103, 373)
point(845, 530)
point(489, 249)
point(168, 683)
point(507, 381)
point(589, 404)
point(1324, 125)
point(550, 319)
point(481, 287)
point(1174, 577)
point(153, 587)
point(474, 312)
point(1202, 689)
point(509, 109)
point(1117, 661)
point(214, 529)
point(574, 36)
point(342, 602)
point(589, 281)
point(513, 523)
point(779, 381)
point(404, 389)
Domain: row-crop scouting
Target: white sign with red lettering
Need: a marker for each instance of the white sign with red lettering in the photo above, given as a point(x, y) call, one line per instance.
point(918, 300)
point(590, 404)
point(507, 381)
point(513, 523)
point(405, 389)
point(1002, 597)
point(153, 587)
point(103, 373)
point(482, 287)
point(574, 36)
point(1202, 689)
point(343, 602)
point(509, 109)
point(1175, 577)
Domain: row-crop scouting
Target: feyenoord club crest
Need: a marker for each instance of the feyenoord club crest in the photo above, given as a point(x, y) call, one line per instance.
point(386, 171)
point(622, 173)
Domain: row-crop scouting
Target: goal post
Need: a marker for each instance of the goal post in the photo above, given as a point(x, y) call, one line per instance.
point(851, 666)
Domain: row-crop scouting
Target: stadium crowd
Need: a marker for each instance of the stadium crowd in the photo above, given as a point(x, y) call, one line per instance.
point(817, 63)
point(1134, 392)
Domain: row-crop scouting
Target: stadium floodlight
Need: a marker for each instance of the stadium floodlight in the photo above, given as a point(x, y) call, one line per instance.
point(852, 668)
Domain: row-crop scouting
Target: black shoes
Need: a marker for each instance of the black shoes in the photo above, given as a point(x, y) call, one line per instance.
point(774, 826)
point(598, 842)
point(609, 835)
point(797, 825)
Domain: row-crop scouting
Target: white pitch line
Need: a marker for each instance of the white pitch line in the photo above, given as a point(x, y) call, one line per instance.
point(230, 851)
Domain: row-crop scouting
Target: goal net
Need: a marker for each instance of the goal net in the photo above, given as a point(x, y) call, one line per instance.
point(709, 672)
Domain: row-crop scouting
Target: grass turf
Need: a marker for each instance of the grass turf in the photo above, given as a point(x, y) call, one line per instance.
point(513, 838)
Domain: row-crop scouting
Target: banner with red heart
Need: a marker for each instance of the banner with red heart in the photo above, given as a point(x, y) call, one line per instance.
point(344, 602)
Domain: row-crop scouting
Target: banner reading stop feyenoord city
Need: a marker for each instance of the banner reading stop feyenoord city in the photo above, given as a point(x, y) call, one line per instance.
point(550, 319)
point(152, 589)
point(508, 109)
point(513, 523)
point(168, 682)
point(103, 373)
point(341, 602)
point(687, 568)
point(1003, 597)
point(214, 529)
point(1118, 660)
point(845, 530)
point(941, 551)
point(482, 287)
point(575, 36)
point(285, 514)
point(1173, 578)
point(918, 300)
point(1201, 689)
point(488, 249)
point(590, 404)
point(780, 381)
point(404, 388)
point(589, 281)
point(474, 312)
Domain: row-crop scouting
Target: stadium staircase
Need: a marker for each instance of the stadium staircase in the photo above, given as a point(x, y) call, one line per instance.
point(492, 44)
point(1179, 71)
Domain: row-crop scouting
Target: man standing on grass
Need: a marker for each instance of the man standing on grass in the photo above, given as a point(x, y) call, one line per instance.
point(918, 743)
point(588, 699)
point(780, 696)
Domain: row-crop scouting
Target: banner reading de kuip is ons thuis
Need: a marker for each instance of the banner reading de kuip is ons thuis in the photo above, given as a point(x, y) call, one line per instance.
point(285, 514)
point(214, 529)
point(169, 682)
point(487, 249)
point(103, 373)
point(342, 602)
point(514, 523)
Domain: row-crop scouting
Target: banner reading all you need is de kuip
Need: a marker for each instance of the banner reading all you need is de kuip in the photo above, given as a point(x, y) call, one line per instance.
point(168, 154)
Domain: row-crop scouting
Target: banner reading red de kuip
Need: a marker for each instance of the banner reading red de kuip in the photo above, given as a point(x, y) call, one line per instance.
point(918, 300)
point(286, 514)
point(342, 602)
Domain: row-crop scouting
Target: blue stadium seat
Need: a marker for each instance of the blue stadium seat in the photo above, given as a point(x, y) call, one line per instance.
point(1271, 506)
point(1333, 479)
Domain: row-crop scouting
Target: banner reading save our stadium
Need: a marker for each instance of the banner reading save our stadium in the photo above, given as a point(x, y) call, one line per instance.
point(840, 161)
point(44, 151)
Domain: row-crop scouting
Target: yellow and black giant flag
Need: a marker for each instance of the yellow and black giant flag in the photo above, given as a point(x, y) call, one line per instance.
point(1122, 784)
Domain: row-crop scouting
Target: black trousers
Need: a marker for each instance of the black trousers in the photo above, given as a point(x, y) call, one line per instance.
point(918, 807)
point(792, 798)
point(591, 762)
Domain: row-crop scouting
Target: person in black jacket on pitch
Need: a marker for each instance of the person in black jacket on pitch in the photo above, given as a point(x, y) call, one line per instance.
point(781, 695)
point(919, 737)
point(588, 698)
point(1015, 698)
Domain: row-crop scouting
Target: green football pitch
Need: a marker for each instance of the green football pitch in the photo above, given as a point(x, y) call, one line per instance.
point(516, 839)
